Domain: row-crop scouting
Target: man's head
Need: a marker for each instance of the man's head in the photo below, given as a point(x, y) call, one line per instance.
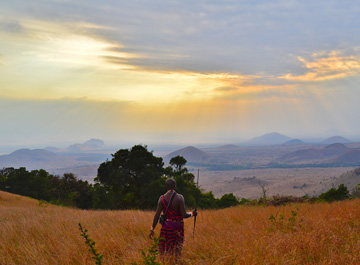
point(170, 184)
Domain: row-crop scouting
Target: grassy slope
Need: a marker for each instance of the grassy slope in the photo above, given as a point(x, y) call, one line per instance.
point(319, 234)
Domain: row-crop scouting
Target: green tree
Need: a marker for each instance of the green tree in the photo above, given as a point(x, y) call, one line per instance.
point(207, 200)
point(178, 164)
point(185, 183)
point(129, 175)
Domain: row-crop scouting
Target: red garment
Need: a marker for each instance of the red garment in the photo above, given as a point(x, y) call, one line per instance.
point(172, 231)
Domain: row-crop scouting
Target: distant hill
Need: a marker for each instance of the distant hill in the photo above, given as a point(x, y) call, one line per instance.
point(51, 162)
point(90, 145)
point(294, 142)
point(334, 149)
point(336, 139)
point(32, 159)
point(270, 139)
point(52, 149)
point(301, 155)
point(190, 153)
point(228, 146)
point(351, 156)
point(330, 151)
point(28, 154)
point(95, 143)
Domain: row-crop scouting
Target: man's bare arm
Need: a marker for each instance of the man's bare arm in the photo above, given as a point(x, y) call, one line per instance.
point(182, 208)
point(157, 213)
point(156, 217)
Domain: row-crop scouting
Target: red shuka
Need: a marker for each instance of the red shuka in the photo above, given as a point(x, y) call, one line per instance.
point(172, 232)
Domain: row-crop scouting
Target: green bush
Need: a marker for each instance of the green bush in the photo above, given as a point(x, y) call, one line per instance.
point(339, 194)
point(228, 200)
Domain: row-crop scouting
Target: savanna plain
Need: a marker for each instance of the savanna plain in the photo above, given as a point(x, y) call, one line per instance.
point(33, 232)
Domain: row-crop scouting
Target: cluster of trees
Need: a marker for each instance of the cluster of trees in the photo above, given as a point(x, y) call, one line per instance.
point(39, 184)
point(133, 179)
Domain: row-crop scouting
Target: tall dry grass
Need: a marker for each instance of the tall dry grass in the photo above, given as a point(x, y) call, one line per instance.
point(319, 234)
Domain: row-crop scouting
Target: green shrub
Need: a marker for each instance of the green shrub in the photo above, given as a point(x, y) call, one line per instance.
point(339, 194)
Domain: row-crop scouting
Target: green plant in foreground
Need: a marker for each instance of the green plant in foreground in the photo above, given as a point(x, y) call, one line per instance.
point(43, 203)
point(150, 254)
point(280, 224)
point(91, 243)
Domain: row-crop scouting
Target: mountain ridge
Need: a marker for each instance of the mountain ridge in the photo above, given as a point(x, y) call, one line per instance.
point(190, 153)
point(273, 138)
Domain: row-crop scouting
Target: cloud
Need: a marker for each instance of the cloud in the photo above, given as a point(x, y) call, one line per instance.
point(73, 44)
point(322, 67)
point(10, 26)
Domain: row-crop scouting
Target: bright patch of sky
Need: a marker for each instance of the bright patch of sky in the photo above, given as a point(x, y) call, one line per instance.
point(182, 71)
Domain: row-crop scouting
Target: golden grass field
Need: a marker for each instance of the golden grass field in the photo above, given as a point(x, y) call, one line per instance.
point(320, 233)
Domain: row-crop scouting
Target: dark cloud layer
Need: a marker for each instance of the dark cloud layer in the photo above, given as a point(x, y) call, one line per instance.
point(245, 37)
point(10, 26)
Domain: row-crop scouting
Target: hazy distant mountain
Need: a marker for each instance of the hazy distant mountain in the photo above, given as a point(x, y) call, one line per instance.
point(228, 146)
point(334, 149)
point(28, 154)
point(301, 155)
point(51, 162)
point(270, 139)
point(190, 153)
point(91, 145)
point(294, 142)
point(52, 149)
point(351, 156)
point(336, 139)
point(95, 143)
point(32, 159)
point(330, 151)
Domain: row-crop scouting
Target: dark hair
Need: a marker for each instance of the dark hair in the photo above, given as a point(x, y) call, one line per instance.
point(170, 184)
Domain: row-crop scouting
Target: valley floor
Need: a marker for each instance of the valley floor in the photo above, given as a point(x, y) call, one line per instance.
point(283, 181)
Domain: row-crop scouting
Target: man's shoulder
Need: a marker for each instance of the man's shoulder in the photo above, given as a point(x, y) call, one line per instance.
point(180, 196)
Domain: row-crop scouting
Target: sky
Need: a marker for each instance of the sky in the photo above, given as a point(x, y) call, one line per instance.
point(177, 71)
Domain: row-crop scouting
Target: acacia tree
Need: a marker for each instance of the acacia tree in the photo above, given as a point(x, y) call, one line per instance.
point(178, 164)
point(129, 176)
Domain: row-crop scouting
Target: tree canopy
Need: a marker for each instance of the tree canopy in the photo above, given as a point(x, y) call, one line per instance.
point(129, 176)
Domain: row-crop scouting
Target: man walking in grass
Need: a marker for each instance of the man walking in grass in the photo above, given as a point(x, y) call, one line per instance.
point(172, 230)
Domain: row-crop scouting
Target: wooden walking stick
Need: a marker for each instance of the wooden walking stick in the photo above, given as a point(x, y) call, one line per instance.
point(197, 186)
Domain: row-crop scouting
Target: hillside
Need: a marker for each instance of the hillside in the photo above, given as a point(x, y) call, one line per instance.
point(90, 145)
point(351, 156)
point(83, 165)
point(190, 153)
point(318, 233)
point(316, 154)
point(336, 139)
point(31, 158)
point(270, 139)
point(294, 142)
point(350, 179)
point(228, 146)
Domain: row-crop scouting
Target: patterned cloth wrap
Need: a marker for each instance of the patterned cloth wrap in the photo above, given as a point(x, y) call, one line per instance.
point(172, 232)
